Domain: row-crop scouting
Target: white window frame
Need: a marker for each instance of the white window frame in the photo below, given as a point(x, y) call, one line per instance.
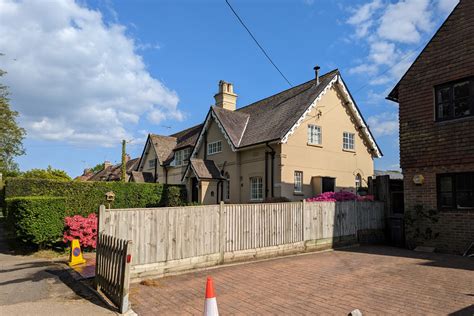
point(151, 163)
point(348, 141)
point(214, 147)
point(256, 188)
point(298, 182)
point(315, 135)
point(181, 156)
point(358, 182)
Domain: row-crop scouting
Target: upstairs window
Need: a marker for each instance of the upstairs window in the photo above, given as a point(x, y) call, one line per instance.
point(455, 100)
point(456, 190)
point(348, 141)
point(181, 156)
point(214, 147)
point(314, 135)
point(151, 163)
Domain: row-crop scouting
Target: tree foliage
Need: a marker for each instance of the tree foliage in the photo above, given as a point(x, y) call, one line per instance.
point(98, 167)
point(49, 173)
point(11, 135)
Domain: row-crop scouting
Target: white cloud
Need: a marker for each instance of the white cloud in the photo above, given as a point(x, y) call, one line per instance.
point(361, 18)
point(383, 124)
point(74, 77)
point(405, 21)
point(393, 32)
point(446, 6)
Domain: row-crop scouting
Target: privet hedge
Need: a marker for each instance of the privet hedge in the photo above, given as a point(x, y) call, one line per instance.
point(84, 198)
point(37, 220)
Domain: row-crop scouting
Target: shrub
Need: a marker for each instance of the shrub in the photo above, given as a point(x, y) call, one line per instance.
point(36, 220)
point(174, 196)
point(339, 196)
point(82, 228)
point(83, 198)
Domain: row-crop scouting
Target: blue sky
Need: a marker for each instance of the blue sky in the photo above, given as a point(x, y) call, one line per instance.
point(86, 74)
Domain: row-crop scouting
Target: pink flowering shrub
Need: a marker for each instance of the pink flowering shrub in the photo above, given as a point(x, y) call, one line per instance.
point(82, 228)
point(339, 196)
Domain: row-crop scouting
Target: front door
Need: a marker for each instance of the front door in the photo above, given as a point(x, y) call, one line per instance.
point(194, 190)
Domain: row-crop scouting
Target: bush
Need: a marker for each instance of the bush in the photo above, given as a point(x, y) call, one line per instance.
point(83, 198)
point(339, 196)
point(174, 196)
point(82, 228)
point(36, 220)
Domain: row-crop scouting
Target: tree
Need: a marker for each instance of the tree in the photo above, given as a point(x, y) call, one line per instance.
point(98, 167)
point(11, 135)
point(49, 173)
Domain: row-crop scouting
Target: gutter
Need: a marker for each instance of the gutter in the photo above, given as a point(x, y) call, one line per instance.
point(272, 164)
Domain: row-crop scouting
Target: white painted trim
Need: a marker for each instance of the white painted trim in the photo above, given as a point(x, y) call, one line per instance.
point(214, 116)
point(358, 116)
point(243, 131)
point(308, 110)
point(355, 112)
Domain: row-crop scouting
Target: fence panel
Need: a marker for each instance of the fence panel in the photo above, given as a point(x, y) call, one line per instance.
point(112, 276)
point(251, 226)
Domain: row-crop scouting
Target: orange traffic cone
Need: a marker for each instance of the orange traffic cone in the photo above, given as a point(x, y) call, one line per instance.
point(210, 305)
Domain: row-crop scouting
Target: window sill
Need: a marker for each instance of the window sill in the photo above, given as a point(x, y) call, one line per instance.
point(214, 153)
point(454, 120)
point(314, 145)
point(298, 193)
point(349, 150)
point(456, 210)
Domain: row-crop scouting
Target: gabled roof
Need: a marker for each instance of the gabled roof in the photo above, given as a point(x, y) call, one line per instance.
point(393, 95)
point(204, 169)
point(141, 177)
point(163, 146)
point(277, 117)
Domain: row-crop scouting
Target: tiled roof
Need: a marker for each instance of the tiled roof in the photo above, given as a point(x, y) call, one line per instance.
point(113, 173)
point(205, 169)
point(141, 177)
point(163, 145)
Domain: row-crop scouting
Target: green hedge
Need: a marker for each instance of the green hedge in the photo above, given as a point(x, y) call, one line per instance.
point(84, 198)
point(37, 220)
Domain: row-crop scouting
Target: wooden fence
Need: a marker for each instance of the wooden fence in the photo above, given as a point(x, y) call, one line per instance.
point(169, 240)
point(112, 275)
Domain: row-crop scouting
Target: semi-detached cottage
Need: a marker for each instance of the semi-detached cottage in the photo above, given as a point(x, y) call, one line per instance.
point(295, 144)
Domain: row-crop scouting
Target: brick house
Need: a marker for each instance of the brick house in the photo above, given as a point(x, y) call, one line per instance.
point(436, 113)
point(295, 144)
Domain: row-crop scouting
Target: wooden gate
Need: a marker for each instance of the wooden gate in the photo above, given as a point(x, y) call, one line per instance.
point(112, 275)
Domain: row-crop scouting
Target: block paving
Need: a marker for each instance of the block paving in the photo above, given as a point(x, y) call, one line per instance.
point(374, 279)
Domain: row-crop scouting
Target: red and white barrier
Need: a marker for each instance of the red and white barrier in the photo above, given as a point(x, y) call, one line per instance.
point(210, 304)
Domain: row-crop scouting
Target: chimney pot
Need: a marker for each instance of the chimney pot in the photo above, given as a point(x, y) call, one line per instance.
point(316, 73)
point(107, 164)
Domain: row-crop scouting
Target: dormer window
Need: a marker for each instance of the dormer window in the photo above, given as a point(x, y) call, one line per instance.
point(455, 99)
point(181, 156)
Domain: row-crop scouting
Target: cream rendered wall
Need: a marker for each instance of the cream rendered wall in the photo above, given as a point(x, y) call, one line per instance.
point(329, 159)
point(240, 166)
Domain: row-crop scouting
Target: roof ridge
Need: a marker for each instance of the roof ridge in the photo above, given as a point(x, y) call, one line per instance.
point(286, 90)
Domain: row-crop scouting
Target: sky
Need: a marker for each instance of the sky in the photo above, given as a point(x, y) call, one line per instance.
point(86, 74)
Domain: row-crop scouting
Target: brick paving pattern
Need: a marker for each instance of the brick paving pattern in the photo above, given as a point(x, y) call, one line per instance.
point(374, 279)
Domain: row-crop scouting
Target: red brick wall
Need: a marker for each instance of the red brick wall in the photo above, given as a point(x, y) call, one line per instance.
point(428, 147)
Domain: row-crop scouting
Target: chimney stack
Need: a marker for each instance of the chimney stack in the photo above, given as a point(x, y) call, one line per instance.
point(316, 74)
point(107, 164)
point(226, 98)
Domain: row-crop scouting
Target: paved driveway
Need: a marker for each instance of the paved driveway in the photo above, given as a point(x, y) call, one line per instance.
point(376, 280)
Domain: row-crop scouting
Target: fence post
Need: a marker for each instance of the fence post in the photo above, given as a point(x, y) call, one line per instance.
point(222, 232)
point(303, 223)
point(127, 262)
point(101, 220)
